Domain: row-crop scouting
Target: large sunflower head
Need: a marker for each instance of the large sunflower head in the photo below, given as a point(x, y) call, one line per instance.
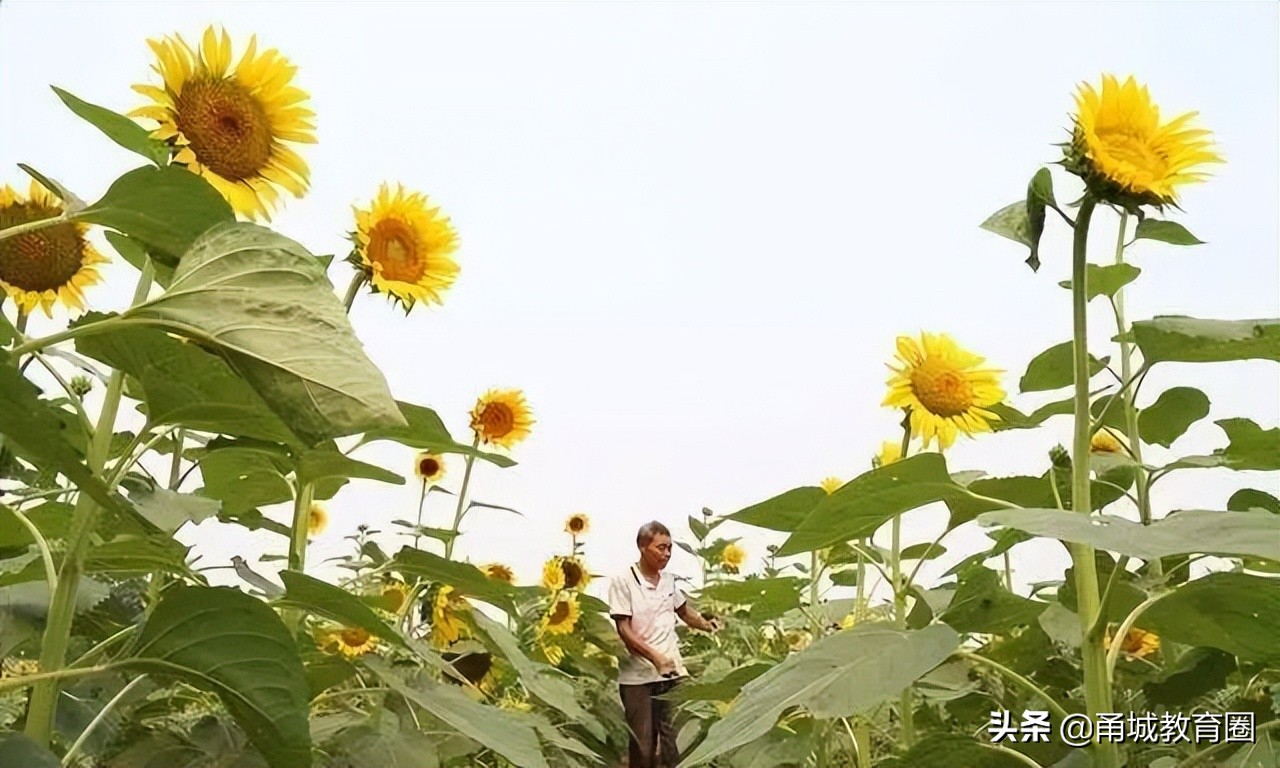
point(429, 467)
point(732, 557)
point(944, 388)
point(831, 484)
point(501, 417)
point(562, 616)
point(578, 524)
point(447, 610)
point(47, 265)
point(234, 124)
point(499, 572)
point(404, 247)
point(1123, 152)
point(317, 519)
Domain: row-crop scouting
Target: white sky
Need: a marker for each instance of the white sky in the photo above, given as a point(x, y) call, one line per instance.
point(691, 232)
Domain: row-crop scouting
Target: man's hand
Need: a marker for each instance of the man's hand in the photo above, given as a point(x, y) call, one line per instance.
point(664, 665)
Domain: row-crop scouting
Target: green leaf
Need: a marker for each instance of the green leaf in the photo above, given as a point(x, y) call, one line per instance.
point(490, 726)
point(1166, 232)
point(118, 128)
point(18, 751)
point(1013, 222)
point(1054, 369)
point(223, 641)
point(1227, 534)
point(334, 603)
point(166, 509)
point(1235, 612)
point(425, 431)
point(1195, 673)
point(1175, 338)
point(1171, 414)
point(245, 476)
point(923, 552)
point(165, 209)
point(1250, 447)
point(50, 518)
point(840, 675)
point(1240, 501)
point(262, 302)
point(132, 251)
point(768, 598)
point(465, 578)
point(327, 461)
point(1263, 752)
point(698, 528)
point(1039, 195)
point(1106, 280)
point(723, 689)
point(70, 202)
point(945, 750)
point(383, 741)
point(982, 604)
point(784, 512)
point(136, 555)
point(865, 503)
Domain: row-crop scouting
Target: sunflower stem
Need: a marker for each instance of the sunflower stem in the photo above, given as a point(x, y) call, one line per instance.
point(905, 705)
point(1097, 683)
point(301, 522)
point(422, 498)
point(462, 500)
point(57, 634)
point(813, 594)
point(46, 554)
point(357, 280)
point(32, 226)
point(1117, 642)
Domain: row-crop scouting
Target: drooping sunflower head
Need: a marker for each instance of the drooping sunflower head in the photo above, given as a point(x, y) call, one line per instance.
point(944, 388)
point(576, 575)
point(1136, 642)
point(48, 265)
point(1123, 152)
point(317, 519)
point(831, 484)
point(447, 624)
point(732, 557)
point(501, 417)
point(890, 451)
point(553, 652)
point(553, 575)
point(578, 524)
point(1106, 441)
point(394, 595)
point(562, 616)
point(404, 247)
point(499, 572)
point(352, 641)
point(429, 467)
point(235, 124)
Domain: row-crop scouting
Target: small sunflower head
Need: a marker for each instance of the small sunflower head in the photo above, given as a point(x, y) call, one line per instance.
point(404, 247)
point(393, 596)
point(732, 557)
point(499, 572)
point(831, 484)
point(352, 641)
point(578, 524)
point(576, 575)
point(447, 611)
point(553, 575)
point(1125, 155)
point(429, 467)
point(317, 519)
point(45, 266)
point(1137, 642)
point(890, 452)
point(562, 616)
point(501, 417)
point(944, 388)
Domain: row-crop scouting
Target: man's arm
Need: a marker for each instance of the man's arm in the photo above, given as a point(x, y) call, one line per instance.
point(639, 647)
point(694, 619)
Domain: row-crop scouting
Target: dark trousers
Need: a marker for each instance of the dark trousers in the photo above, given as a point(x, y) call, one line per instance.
point(653, 737)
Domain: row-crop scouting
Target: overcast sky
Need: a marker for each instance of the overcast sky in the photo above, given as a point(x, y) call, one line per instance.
point(692, 232)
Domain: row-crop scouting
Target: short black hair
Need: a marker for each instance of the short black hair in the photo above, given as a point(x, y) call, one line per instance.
point(648, 531)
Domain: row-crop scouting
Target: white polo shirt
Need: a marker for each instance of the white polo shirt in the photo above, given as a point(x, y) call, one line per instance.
point(653, 617)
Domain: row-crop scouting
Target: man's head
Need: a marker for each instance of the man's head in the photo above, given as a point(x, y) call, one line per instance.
point(654, 541)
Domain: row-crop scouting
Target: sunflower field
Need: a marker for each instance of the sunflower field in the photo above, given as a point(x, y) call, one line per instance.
point(234, 391)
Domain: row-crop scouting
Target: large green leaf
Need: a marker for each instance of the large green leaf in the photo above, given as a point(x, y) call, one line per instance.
point(1229, 534)
point(185, 385)
point(1195, 673)
point(425, 431)
point(326, 461)
point(18, 751)
point(1171, 414)
point(133, 252)
point(838, 676)
point(1106, 280)
point(1176, 338)
point(1235, 612)
point(118, 128)
point(982, 604)
point(464, 577)
point(1250, 447)
point(223, 641)
point(334, 603)
point(490, 726)
point(166, 509)
point(865, 503)
point(245, 476)
point(1246, 499)
point(384, 741)
point(165, 209)
point(784, 512)
point(948, 750)
point(263, 303)
point(1053, 369)
point(768, 598)
point(723, 689)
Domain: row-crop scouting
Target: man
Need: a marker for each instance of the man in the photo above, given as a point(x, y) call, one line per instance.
point(644, 602)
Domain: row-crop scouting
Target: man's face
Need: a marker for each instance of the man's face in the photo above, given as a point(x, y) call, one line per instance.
point(657, 552)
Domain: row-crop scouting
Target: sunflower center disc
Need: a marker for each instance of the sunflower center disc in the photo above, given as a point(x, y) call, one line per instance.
point(942, 389)
point(1135, 154)
point(227, 127)
point(355, 637)
point(38, 261)
point(393, 246)
point(560, 613)
point(497, 419)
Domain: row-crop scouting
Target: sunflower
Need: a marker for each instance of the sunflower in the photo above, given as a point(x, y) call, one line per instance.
point(353, 641)
point(513, 701)
point(1137, 643)
point(317, 520)
point(574, 574)
point(47, 265)
point(890, 451)
point(499, 572)
point(942, 387)
point(1106, 441)
point(798, 640)
point(394, 595)
point(831, 484)
point(429, 467)
point(404, 247)
point(578, 524)
point(1125, 155)
point(562, 616)
point(732, 557)
point(231, 124)
point(553, 575)
point(446, 624)
point(501, 417)
point(554, 653)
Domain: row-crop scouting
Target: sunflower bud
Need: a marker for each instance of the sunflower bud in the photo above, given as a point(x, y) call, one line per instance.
point(81, 385)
